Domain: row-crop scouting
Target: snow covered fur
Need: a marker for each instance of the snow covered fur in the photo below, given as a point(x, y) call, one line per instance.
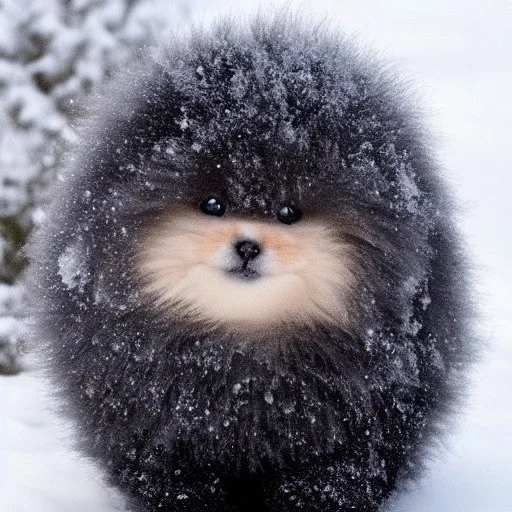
point(255, 164)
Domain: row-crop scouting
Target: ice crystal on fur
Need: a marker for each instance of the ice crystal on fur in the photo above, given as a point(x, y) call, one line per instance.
point(72, 270)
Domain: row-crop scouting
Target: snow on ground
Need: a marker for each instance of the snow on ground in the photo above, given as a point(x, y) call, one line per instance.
point(39, 471)
point(460, 53)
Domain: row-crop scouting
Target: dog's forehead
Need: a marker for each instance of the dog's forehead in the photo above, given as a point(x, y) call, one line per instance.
point(249, 185)
point(252, 188)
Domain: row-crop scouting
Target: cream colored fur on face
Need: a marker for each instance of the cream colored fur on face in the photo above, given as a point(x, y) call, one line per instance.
point(306, 274)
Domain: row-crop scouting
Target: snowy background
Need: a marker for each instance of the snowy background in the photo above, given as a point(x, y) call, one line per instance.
point(459, 53)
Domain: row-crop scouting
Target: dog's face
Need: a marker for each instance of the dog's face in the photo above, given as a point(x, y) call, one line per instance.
point(208, 266)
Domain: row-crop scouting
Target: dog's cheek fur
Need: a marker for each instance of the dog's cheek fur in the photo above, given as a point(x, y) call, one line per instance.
point(183, 416)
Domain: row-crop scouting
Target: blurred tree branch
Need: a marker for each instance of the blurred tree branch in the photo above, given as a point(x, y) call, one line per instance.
point(53, 53)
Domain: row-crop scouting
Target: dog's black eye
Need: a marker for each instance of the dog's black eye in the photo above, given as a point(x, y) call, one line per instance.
point(289, 214)
point(213, 206)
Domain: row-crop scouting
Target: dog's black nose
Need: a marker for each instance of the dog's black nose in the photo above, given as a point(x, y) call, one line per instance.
point(247, 249)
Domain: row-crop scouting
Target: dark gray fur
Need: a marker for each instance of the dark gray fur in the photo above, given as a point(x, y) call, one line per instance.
point(319, 419)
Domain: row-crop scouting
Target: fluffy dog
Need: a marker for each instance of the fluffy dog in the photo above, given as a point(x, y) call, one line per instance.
point(251, 286)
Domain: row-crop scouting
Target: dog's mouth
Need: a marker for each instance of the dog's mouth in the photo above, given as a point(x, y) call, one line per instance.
point(245, 272)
